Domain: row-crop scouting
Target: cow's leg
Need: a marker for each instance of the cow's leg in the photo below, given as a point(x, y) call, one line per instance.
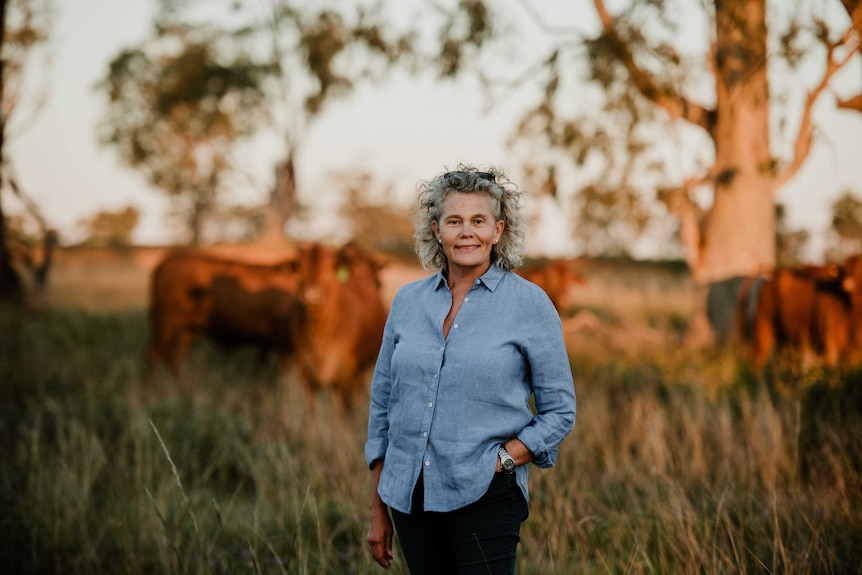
point(153, 356)
point(309, 396)
point(155, 346)
point(160, 347)
point(180, 346)
point(347, 395)
point(764, 342)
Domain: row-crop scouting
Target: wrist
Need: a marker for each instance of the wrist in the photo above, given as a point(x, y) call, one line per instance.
point(507, 462)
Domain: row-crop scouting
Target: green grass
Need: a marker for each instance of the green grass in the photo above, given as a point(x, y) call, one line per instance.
point(682, 461)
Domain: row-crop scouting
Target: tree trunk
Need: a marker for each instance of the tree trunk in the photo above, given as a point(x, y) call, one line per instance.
point(739, 231)
point(282, 201)
point(11, 290)
point(196, 221)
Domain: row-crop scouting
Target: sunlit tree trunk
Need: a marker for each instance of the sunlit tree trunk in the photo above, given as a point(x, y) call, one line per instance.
point(739, 232)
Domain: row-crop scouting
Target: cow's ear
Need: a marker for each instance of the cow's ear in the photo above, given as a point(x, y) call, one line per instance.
point(379, 261)
point(848, 285)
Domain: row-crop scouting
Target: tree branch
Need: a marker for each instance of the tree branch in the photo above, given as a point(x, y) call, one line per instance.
point(680, 203)
point(527, 5)
point(854, 10)
point(805, 135)
point(674, 104)
point(854, 103)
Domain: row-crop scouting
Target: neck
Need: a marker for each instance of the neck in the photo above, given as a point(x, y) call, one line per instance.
point(457, 275)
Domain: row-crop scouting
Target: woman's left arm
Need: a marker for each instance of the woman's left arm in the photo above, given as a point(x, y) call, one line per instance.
point(519, 452)
point(553, 386)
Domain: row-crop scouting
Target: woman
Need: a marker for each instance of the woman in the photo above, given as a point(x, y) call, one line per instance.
point(450, 429)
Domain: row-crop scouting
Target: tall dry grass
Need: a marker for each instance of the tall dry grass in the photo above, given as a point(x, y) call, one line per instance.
point(681, 461)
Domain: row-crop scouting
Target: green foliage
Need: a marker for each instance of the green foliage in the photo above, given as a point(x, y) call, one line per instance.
point(176, 106)
point(609, 220)
point(27, 27)
point(331, 49)
point(110, 469)
point(113, 229)
point(465, 30)
point(215, 72)
point(845, 234)
point(789, 243)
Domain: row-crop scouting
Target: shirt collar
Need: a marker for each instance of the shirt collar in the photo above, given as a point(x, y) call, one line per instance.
point(489, 279)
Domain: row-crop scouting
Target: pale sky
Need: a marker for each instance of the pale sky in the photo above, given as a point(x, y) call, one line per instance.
point(402, 131)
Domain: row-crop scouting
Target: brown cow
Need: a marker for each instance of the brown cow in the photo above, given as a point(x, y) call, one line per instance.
point(804, 309)
point(344, 318)
point(853, 286)
point(557, 278)
point(232, 303)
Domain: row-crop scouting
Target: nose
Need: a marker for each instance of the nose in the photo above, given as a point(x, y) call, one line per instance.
point(467, 229)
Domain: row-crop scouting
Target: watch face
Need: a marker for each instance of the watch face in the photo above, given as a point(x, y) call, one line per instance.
point(508, 464)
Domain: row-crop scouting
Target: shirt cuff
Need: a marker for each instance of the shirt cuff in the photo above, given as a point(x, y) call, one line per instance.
point(543, 456)
point(374, 449)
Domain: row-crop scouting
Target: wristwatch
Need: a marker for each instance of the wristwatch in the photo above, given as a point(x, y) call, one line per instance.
point(506, 461)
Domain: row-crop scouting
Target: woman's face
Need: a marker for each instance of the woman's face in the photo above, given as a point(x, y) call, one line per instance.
point(468, 230)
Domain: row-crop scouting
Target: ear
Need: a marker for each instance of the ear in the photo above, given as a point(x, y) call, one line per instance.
point(436, 229)
point(498, 230)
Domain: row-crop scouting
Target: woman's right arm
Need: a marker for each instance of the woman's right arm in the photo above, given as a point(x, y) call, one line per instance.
point(379, 524)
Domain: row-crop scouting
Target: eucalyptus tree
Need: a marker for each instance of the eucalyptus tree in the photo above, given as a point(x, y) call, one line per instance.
point(218, 70)
point(24, 27)
point(320, 52)
point(709, 105)
point(177, 104)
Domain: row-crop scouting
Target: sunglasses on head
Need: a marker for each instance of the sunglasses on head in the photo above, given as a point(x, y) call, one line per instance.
point(487, 176)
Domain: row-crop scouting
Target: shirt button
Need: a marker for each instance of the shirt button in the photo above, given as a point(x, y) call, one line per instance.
point(424, 434)
point(427, 463)
point(466, 299)
point(430, 404)
point(455, 326)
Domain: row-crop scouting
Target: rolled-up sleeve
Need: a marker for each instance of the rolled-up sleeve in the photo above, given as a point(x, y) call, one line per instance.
point(553, 386)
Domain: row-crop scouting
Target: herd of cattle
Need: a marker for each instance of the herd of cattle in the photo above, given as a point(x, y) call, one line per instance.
point(320, 310)
point(814, 312)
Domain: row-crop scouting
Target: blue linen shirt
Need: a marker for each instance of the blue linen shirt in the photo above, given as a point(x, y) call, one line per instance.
point(444, 406)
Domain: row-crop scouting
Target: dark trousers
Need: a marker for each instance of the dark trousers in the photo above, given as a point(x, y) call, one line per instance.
point(480, 538)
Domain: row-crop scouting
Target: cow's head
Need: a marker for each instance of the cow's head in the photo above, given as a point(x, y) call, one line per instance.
point(353, 258)
point(325, 269)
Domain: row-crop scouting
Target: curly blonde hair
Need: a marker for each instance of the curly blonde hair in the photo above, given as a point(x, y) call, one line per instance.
point(508, 253)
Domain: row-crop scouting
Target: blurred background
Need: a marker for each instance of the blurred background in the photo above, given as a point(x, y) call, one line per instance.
point(674, 153)
point(366, 100)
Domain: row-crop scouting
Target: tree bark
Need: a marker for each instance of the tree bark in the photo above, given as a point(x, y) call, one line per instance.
point(739, 231)
point(737, 234)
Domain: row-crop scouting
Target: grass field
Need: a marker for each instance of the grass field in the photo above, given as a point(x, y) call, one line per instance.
point(681, 461)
